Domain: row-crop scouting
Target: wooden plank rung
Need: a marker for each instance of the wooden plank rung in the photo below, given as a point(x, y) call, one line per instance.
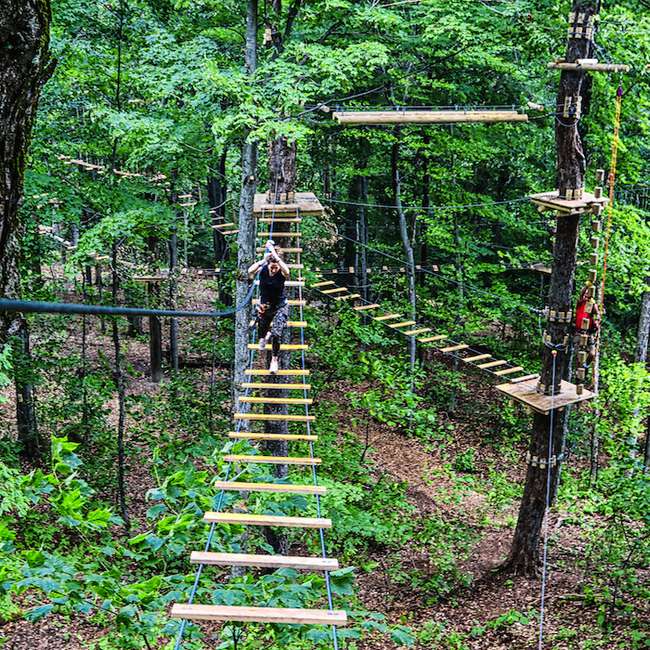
point(274, 417)
point(387, 317)
point(492, 364)
point(239, 518)
point(325, 283)
point(276, 400)
point(283, 346)
point(364, 307)
point(422, 330)
point(516, 380)
point(250, 435)
point(279, 386)
point(476, 357)
point(431, 339)
point(285, 488)
point(290, 372)
point(406, 323)
point(259, 614)
point(454, 348)
point(508, 371)
point(350, 296)
point(265, 561)
point(336, 290)
point(272, 460)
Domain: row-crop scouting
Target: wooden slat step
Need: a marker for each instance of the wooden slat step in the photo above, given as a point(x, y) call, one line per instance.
point(250, 435)
point(272, 460)
point(405, 323)
point(274, 417)
point(276, 400)
point(259, 614)
point(387, 317)
point(476, 357)
point(283, 346)
point(516, 380)
point(265, 561)
point(508, 371)
point(291, 303)
point(422, 330)
point(285, 488)
point(262, 249)
point(263, 386)
point(336, 290)
point(219, 226)
point(229, 232)
point(326, 283)
point(289, 372)
point(431, 339)
point(350, 296)
point(364, 307)
point(279, 220)
point(454, 348)
point(290, 323)
point(267, 234)
point(266, 520)
point(491, 364)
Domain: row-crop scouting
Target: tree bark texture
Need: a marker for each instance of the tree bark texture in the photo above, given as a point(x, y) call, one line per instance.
point(246, 235)
point(173, 298)
point(282, 168)
point(25, 65)
point(155, 335)
point(573, 93)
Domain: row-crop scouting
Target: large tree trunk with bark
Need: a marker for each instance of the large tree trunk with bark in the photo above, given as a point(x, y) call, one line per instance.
point(25, 65)
point(246, 235)
point(549, 431)
point(282, 169)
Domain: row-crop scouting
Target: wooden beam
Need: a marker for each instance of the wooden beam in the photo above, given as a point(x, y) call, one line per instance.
point(476, 357)
point(454, 348)
point(276, 400)
point(431, 339)
point(245, 519)
point(427, 117)
point(290, 372)
point(284, 347)
point(262, 386)
point(249, 435)
point(590, 66)
point(285, 488)
point(259, 614)
point(272, 460)
point(492, 364)
point(265, 561)
point(508, 371)
point(387, 317)
point(274, 417)
point(365, 307)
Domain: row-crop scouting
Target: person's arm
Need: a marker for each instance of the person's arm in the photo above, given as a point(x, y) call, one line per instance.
point(284, 269)
point(254, 268)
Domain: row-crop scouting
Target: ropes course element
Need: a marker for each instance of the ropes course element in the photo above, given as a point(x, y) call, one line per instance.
point(329, 616)
point(425, 335)
point(427, 208)
point(403, 115)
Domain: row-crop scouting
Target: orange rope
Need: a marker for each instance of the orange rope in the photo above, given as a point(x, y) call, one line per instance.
point(611, 180)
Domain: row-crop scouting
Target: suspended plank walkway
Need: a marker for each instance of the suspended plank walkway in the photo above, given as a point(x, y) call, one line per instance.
point(260, 391)
point(415, 116)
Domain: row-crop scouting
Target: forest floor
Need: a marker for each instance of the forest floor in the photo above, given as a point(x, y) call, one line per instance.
point(481, 609)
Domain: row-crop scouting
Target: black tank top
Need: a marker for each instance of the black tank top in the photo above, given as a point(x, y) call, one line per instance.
point(271, 287)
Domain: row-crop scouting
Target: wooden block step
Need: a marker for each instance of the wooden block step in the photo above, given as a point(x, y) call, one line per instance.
point(267, 235)
point(272, 460)
point(454, 348)
point(262, 249)
point(364, 307)
point(476, 357)
point(336, 290)
point(276, 400)
point(326, 283)
point(422, 330)
point(431, 339)
point(249, 435)
point(229, 224)
point(508, 371)
point(516, 380)
point(290, 372)
point(405, 323)
point(266, 520)
point(265, 561)
point(263, 386)
point(285, 488)
point(350, 296)
point(387, 317)
point(292, 303)
point(491, 364)
point(229, 232)
point(290, 323)
point(274, 417)
point(279, 220)
point(259, 614)
point(283, 346)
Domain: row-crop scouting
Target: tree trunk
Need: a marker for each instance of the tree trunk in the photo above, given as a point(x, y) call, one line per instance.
point(24, 383)
point(282, 169)
point(155, 335)
point(363, 236)
point(641, 356)
point(246, 235)
point(173, 298)
point(426, 204)
point(217, 195)
point(408, 246)
point(548, 435)
point(25, 66)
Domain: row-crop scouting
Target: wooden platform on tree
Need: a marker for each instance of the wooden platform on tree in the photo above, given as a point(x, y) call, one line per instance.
point(306, 203)
point(526, 393)
point(551, 201)
point(265, 561)
point(427, 117)
point(259, 614)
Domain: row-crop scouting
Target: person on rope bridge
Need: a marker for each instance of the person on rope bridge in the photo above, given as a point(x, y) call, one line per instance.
point(273, 310)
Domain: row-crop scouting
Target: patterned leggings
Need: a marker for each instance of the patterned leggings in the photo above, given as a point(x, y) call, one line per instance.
point(274, 319)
